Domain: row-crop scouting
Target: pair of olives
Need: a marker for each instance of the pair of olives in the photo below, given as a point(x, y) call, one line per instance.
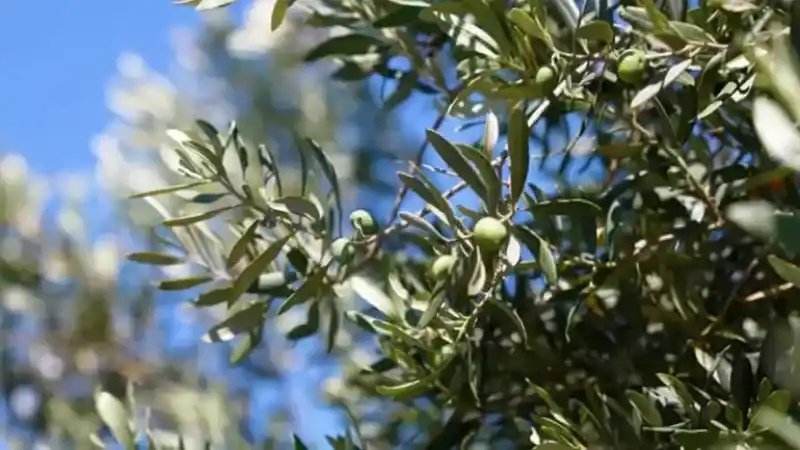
point(342, 248)
point(630, 69)
point(489, 235)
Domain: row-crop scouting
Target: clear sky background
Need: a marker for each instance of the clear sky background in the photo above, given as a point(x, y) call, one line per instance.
point(58, 60)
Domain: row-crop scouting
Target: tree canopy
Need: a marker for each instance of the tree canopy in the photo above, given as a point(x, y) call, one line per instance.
point(605, 260)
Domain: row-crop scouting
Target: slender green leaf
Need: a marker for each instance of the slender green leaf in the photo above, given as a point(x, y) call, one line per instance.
point(349, 44)
point(195, 218)
point(436, 301)
point(786, 270)
point(181, 284)
point(454, 158)
point(251, 273)
point(518, 152)
point(566, 207)
point(171, 189)
point(309, 288)
point(154, 259)
point(240, 247)
point(646, 408)
point(279, 10)
point(237, 323)
point(547, 262)
point(116, 416)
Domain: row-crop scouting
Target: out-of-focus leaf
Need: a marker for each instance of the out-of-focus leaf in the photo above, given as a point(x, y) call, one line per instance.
point(279, 10)
point(195, 218)
point(518, 152)
point(785, 270)
point(237, 323)
point(596, 30)
point(171, 189)
point(657, 18)
point(246, 346)
point(350, 44)
point(464, 34)
point(297, 206)
point(491, 133)
point(777, 132)
point(205, 5)
point(333, 329)
point(646, 408)
point(756, 217)
point(298, 443)
point(214, 297)
point(681, 391)
point(405, 390)
point(181, 284)
point(568, 11)
point(155, 259)
point(566, 207)
point(116, 416)
point(529, 25)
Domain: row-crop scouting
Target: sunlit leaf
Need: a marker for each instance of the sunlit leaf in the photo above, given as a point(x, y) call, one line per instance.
point(116, 416)
point(195, 218)
point(237, 323)
point(250, 274)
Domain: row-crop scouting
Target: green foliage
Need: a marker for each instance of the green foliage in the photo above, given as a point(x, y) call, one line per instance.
point(633, 311)
point(634, 288)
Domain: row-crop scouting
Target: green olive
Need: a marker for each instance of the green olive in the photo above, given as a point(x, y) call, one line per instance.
point(490, 233)
point(342, 249)
point(632, 66)
point(363, 221)
point(442, 267)
point(546, 79)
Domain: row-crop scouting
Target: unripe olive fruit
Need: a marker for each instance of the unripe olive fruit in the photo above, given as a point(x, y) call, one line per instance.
point(546, 79)
point(490, 233)
point(632, 66)
point(342, 249)
point(363, 222)
point(442, 266)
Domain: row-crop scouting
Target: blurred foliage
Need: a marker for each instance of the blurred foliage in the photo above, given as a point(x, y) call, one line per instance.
point(621, 273)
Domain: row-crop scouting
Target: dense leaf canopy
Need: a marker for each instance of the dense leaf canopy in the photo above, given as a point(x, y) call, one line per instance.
point(609, 263)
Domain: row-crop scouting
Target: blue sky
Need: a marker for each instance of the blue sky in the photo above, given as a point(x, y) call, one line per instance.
point(59, 58)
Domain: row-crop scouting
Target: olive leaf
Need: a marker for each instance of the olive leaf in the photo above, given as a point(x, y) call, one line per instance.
point(240, 247)
point(153, 258)
point(454, 158)
point(518, 152)
point(245, 319)
point(250, 274)
point(117, 417)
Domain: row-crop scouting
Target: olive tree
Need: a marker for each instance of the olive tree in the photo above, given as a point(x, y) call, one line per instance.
point(619, 274)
